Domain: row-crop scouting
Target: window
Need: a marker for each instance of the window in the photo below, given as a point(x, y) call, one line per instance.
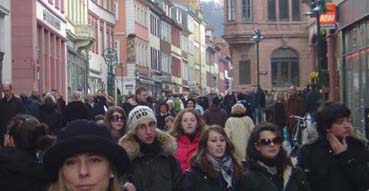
point(244, 72)
point(283, 10)
point(285, 68)
point(295, 10)
point(246, 10)
point(231, 10)
point(271, 10)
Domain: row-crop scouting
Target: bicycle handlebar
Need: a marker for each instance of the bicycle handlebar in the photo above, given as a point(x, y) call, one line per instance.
point(299, 118)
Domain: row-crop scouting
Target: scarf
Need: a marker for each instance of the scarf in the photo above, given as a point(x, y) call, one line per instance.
point(225, 166)
point(153, 148)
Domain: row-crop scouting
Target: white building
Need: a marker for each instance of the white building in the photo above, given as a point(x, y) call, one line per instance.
point(5, 42)
point(101, 16)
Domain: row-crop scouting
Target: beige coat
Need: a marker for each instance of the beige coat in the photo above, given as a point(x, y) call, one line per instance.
point(239, 129)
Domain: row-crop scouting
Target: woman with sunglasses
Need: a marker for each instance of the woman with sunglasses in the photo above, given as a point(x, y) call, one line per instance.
point(214, 166)
point(115, 120)
point(268, 166)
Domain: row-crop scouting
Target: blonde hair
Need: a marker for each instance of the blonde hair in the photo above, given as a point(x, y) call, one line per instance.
point(59, 185)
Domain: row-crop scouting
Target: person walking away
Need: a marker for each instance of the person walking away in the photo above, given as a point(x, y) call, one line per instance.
point(238, 128)
point(76, 109)
point(50, 114)
point(214, 115)
point(20, 165)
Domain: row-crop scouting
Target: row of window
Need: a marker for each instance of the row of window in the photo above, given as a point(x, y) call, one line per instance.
point(278, 10)
point(357, 37)
point(141, 16)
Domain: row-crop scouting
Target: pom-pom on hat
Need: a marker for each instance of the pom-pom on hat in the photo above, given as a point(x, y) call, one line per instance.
point(238, 108)
point(138, 114)
point(83, 136)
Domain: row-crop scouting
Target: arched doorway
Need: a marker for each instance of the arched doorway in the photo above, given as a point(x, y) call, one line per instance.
point(285, 68)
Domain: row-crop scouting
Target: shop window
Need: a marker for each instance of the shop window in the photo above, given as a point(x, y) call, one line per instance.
point(285, 68)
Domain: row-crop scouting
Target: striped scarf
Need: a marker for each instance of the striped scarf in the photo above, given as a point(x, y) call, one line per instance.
point(225, 166)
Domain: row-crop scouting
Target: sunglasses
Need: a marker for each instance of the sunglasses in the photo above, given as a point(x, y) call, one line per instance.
point(116, 118)
point(268, 141)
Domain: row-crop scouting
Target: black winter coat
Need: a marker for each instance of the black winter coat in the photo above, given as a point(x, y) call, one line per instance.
point(21, 171)
point(257, 178)
point(50, 114)
point(196, 180)
point(9, 109)
point(348, 171)
point(153, 172)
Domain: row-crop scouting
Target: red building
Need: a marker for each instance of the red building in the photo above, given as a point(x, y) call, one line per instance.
point(38, 45)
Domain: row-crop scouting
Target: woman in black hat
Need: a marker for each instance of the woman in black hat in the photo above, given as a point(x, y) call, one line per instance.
point(85, 157)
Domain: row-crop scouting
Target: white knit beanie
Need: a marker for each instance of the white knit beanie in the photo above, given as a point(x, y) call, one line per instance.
point(138, 114)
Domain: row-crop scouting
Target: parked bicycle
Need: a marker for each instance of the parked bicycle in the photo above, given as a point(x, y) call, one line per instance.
point(299, 134)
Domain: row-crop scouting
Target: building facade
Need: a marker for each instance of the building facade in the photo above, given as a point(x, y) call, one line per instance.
point(5, 42)
point(102, 19)
point(284, 57)
point(353, 61)
point(38, 45)
point(79, 39)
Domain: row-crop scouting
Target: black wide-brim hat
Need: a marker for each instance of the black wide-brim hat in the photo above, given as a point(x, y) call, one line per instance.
point(83, 136)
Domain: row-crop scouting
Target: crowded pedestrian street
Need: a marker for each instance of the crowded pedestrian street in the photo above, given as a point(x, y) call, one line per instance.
point(184, 95)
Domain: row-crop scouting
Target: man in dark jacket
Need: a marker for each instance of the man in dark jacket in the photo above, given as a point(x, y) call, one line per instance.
point(75, 109)
point(9, 107)
point(154, 168)
point(229, 101)
point(214, 115)
point(335, 158)
point(91, 106)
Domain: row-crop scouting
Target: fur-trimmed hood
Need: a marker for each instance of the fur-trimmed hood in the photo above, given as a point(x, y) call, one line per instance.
point(311, 135)
point(130, 144)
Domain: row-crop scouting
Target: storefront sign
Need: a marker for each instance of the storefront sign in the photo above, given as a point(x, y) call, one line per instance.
point(328, 20)
point(51, 19)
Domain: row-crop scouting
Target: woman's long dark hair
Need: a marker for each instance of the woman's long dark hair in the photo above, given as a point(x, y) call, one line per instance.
point(108, 115)
point(29, 134)
point(200, 158)
point(282, 160)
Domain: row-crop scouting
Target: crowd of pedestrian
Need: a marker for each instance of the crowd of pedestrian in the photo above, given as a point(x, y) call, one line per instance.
point(178, 143)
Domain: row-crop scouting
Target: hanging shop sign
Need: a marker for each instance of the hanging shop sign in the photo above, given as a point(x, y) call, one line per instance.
point(328, 20)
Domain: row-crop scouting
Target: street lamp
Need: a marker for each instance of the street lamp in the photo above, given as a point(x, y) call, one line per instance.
point(318, 8)
point(110, 56)
point(257, 37)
